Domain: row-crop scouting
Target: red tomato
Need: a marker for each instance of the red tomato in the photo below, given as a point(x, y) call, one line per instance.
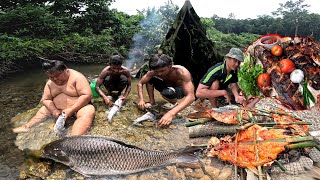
point(264, 79)
point(276, 50)
point(286, 66)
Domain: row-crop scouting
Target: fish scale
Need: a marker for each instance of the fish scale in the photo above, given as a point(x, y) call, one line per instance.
point(98, 155)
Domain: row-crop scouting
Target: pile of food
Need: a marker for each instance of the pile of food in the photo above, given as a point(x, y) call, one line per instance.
point(254, 137)
point(285, 68)
point(256, 146)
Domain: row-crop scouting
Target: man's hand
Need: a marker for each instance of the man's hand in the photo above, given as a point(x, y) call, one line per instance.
point(68, 112)
point(122, 97)
point(107, 101)
point(141, 104)
point(166, 119)
point(56, 113)
point(227, 96)
point(240, 99)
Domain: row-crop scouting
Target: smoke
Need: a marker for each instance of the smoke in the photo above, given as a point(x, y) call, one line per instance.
point(146, 39)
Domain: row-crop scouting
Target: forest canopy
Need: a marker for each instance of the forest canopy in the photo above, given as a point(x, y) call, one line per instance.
point(89, 31)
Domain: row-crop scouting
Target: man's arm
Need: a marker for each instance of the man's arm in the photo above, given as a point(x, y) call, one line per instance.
point(188, 90)
point(203, 91)
point(144, 80)
point(99, 82)
point(234, 88)
point(208, 81)
point(189, 97)
point(128, 87)
point(47, 101)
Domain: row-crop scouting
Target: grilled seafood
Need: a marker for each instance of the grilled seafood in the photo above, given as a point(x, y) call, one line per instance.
point(228, 115)
point(241, 150)
point(224, 116)
point(305, 54)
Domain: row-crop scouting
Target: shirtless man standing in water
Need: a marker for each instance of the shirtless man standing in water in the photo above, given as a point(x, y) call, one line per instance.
point(66, 91)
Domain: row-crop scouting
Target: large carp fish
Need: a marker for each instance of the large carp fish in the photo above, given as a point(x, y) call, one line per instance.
point(98, 155)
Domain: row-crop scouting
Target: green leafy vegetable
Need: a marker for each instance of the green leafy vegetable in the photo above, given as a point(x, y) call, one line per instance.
point(307, 95)
point(247, 75)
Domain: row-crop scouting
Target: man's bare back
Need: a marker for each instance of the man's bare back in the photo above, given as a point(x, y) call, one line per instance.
point(176, 76)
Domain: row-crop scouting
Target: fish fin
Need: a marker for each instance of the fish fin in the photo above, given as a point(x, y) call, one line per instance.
point(79, 171)
point(186, 158)
point(186, 155)
point(192, 149)
point(197, 115)
point(109, 139)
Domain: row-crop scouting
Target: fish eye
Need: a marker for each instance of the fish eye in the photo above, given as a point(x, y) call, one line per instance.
point(58, 152)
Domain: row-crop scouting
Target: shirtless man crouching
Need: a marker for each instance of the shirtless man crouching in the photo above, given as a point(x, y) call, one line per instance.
point(172, 81)
point(67, 91)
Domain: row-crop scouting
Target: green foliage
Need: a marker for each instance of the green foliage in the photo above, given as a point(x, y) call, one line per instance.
point(290, 19)
point(207, 23)
point(84, 29)
point(224, 42)
point(248, 75)
point(69, 48)
point(95, 44)
point(33, 21)
point(127, 26)
point(13, 49)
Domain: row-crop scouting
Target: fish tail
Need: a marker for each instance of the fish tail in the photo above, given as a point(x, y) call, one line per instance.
point(187, 155)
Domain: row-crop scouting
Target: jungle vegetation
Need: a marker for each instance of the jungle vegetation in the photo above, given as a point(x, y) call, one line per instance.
point(90, 31)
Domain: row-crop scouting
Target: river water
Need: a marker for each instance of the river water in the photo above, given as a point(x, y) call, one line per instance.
point(20, 92)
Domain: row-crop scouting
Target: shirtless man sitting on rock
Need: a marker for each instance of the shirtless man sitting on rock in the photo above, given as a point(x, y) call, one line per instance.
point(67, 91)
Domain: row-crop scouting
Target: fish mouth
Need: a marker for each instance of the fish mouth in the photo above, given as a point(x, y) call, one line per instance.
point(33, 153)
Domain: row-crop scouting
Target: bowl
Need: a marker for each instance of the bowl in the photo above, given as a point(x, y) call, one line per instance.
point(269, 41)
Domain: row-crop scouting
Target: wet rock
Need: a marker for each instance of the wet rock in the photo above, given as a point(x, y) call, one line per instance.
point(8, 173)
point(171, 138)
point(212, 171)
point(148, 137)
point(205, 178)
point(41, 170)
point(174, 172)
point(60, 173)
point(314, 154)
point(293, 168)
point(226, 173)
point(196, 173)
point(132, 177)
point(189, 165)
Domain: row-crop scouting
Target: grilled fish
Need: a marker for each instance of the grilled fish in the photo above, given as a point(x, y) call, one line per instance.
point(98, 155)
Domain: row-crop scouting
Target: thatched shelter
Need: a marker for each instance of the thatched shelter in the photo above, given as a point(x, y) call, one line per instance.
point(188, 44)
